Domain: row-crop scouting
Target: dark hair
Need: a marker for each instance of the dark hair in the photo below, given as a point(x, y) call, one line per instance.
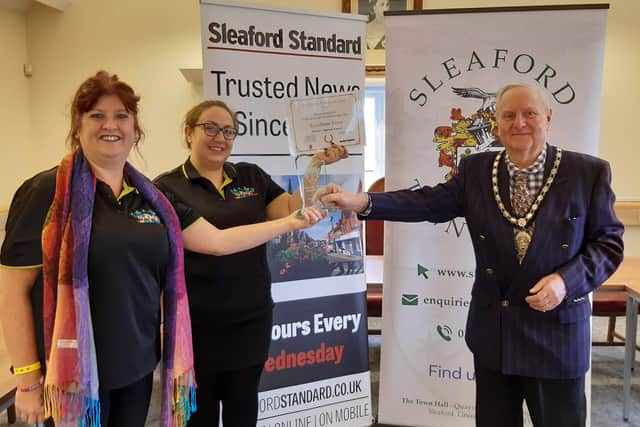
point(193, 115)
point(88, 94)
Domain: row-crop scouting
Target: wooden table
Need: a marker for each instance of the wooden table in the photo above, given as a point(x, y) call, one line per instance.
point(374, 269)
point(373, 275)
point(628, 278)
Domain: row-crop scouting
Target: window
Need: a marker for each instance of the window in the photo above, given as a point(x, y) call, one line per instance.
point(374, 115)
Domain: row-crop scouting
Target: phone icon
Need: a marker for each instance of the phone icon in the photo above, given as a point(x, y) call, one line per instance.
point(445, 332)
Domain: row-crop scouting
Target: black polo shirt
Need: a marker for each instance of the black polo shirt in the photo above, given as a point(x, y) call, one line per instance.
point(128, 254)
point(228, 295)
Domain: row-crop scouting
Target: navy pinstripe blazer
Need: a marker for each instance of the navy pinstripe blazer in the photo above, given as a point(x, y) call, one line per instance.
point(576, 235)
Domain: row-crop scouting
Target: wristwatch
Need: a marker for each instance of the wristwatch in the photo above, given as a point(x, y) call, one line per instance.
point(368, 208)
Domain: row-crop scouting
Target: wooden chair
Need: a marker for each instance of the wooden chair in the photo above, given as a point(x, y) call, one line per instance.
point(374, 230)
point(7, 384)
point(374, 238)
point(7, 402)
point(611, 304)
point(374, 306)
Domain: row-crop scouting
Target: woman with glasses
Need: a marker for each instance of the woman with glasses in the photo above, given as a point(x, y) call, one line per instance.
point(229, 296)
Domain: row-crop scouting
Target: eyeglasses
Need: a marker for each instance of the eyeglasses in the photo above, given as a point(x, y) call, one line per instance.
point(212, 130)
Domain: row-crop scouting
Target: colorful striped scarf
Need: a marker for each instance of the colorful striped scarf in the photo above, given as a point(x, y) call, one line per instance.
point(71, 386)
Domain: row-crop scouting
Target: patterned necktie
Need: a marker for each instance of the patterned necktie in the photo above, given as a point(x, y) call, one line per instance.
point(521, 201)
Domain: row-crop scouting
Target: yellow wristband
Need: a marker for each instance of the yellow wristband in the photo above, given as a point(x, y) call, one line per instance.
point(26, 369)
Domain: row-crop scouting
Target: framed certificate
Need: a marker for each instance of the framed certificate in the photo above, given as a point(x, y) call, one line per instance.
point(317, 122)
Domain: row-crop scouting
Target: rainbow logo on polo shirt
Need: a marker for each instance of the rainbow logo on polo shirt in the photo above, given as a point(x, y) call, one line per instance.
point(243, 192)
point(145, 216)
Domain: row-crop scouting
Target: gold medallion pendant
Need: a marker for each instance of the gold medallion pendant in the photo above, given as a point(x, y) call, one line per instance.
point(523, 239)
point(522, 222)
point(522, 236)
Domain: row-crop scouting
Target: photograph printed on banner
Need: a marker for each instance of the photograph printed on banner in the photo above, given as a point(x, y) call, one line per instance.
point(332, 247)
point(375, 40)
point(375, 10)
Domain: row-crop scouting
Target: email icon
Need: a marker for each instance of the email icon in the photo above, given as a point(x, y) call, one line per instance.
point(409, 299)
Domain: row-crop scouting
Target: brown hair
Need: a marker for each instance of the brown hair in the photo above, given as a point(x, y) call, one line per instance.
point(192, 116)
point(88, 94)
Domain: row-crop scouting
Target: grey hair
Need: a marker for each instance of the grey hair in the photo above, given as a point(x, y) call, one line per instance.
point(541, 94)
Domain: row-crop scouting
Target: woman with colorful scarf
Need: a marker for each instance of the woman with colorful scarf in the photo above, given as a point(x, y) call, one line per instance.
point(92, 250)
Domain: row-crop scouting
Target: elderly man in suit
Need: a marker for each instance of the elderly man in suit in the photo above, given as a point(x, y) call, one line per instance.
point(545, 235)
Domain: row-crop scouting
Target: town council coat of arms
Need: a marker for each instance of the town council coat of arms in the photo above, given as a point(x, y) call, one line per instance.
point(467, 135)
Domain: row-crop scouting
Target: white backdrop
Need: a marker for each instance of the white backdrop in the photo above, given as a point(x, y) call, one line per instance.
point(442, 74)
point(256, 59)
